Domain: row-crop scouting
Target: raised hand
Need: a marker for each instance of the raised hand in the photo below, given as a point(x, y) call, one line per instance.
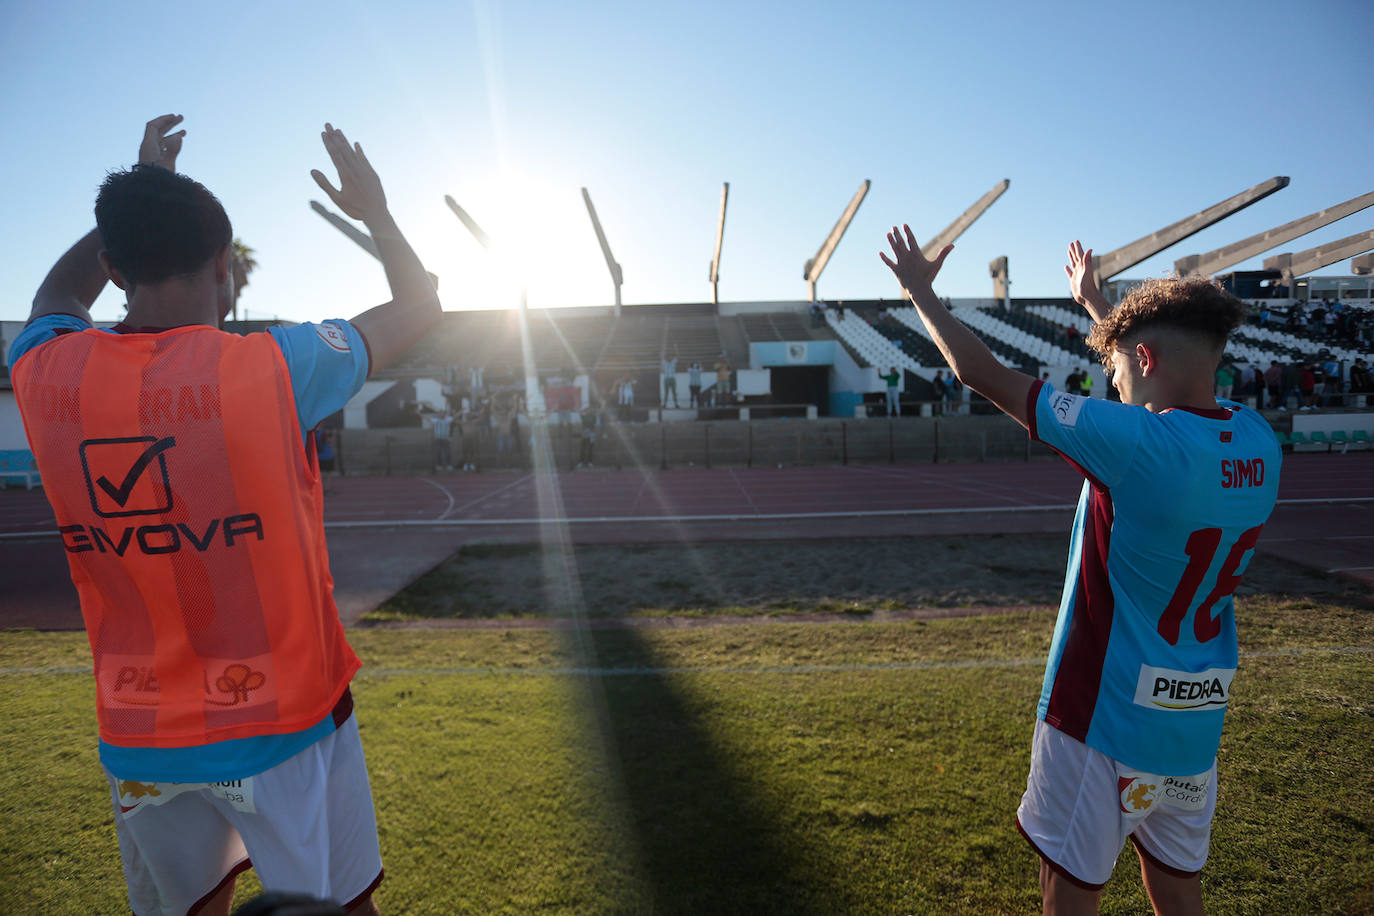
point(913, 271)
point(158, 146)
point(1082, 283)
point(360, 193)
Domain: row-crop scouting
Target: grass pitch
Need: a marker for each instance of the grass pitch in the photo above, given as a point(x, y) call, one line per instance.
point(788, 768)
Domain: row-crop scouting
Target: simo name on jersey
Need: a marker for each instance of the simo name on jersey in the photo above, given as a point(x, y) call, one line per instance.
point(1242, 472)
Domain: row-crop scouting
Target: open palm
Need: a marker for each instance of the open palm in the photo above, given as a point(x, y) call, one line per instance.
point(912, 269)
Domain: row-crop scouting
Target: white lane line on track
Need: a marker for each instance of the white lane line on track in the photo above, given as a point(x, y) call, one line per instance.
point(444, 490)
point(747, 498)
point(732, 517)
point(918, 477)
point(1304, 652)
point(481, 499)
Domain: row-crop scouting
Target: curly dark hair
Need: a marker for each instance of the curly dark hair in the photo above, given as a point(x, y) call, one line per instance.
point(156, 224)
point(1195, 304)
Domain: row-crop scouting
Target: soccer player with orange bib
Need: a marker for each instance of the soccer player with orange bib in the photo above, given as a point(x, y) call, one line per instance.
point(178, 462)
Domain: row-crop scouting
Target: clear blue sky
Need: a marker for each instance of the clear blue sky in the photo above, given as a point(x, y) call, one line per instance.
point(1110, 119)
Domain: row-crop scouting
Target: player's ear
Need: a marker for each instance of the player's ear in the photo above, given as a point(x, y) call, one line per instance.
point(1145, 359)
point(115, 276)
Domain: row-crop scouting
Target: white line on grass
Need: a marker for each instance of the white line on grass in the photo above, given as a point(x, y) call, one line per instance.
point(1302, 652)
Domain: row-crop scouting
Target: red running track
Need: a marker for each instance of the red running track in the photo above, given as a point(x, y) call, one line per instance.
point(1325, 517)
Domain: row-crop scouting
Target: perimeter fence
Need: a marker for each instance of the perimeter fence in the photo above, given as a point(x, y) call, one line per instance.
point(702, 444)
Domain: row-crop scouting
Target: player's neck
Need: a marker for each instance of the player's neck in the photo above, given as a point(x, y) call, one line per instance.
point(1197, 396)
point(173, 304)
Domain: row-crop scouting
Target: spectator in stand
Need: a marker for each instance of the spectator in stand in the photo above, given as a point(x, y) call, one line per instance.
point(1264, 315)
point(501, 418)
point(625, 397)
point(1226, 379)
point(1258, 385)
point(670, 379)
point(817, 310)
point(324, 449)
point(1331, 375)
point(1308, 375)
point(894, 407)
point(954, 393)
point(941, 389)
point(723, 380)
point(1318, 318)
point(694, 384)
point(586, 452)
point(443, 441)
point(1361, 381)
point(1085, 383)
point(1273, 383)
point(1072, 380)
point(1329, 322)
point(471, 437)
point(1292, 384)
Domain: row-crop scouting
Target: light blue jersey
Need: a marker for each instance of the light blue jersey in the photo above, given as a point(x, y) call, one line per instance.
point(328, 363)
point(1145, 646)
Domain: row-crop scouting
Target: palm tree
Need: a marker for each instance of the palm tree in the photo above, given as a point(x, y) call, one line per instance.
point(244, 264)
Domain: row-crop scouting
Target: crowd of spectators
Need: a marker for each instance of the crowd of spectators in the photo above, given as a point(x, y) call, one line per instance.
point(1322, 319)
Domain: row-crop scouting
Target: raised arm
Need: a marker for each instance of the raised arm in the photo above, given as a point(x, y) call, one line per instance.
point(394, 327)
point(75, 281)
point(971, 360)
point(1082, 283)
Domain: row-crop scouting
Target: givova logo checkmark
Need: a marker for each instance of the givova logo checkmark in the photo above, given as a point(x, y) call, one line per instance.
point(127, 476)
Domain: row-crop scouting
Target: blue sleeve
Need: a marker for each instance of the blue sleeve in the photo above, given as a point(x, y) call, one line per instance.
point(41, 330)
point(328, 365)
point(1098, 435)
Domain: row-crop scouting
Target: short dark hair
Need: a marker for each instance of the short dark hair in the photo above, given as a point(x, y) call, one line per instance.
point(156, 224)
point(1196, 305)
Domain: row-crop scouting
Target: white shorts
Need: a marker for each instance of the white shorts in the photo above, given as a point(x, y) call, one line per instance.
point(1081, 805)
point(307, 825)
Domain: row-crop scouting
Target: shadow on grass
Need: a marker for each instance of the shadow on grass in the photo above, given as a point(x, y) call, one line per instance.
point(708, 840)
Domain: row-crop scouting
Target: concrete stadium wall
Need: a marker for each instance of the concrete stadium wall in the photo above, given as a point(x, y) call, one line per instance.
point(725, 443)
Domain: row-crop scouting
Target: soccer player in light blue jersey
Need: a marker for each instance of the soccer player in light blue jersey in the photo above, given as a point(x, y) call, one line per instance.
point(1177, 487)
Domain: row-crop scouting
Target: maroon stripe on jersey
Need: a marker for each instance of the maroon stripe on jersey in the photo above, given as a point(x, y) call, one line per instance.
point(1032, 400)
point(1079, 675)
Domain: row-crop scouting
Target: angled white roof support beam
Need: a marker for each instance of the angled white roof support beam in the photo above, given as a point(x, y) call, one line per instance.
point(1114, 262)
point(811, 270)
point(364, 240)
point(617, 274)
point(338, 222)
point(1304, 262)
point(720, 240)
point(957, 228)
point(1363, 265)
point(482, 238)
point(1213, 262)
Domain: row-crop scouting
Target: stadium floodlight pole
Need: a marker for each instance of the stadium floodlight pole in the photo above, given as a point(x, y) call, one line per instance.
point(1205, 265)
point(617, 275)
point(811, 270)
point(957, 228)
point(338, 222)
point(1108, 265)
point(720, 240)
point(1304, 262)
